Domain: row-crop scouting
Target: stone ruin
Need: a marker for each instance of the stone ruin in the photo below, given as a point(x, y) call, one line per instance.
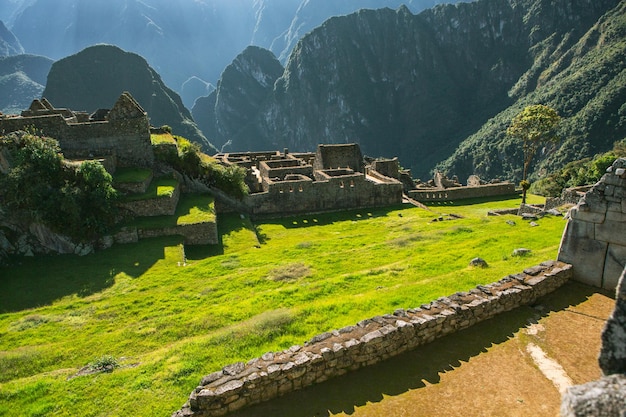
point(594, 241)
point(442, 188)
point(335, 177)
point(117, 137)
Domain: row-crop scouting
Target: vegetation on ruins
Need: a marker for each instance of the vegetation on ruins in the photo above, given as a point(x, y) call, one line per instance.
point(75, 199)
point(535, 126)
point(265, 287)
point(576, 173)
point(187, 158)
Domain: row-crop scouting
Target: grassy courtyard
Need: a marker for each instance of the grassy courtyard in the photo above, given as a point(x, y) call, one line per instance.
point(267, 286)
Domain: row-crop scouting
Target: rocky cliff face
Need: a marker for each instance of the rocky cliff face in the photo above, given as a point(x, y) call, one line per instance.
point(410, 85)
point(95, 77)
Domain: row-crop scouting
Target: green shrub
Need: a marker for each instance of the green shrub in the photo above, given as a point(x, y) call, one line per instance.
point(41, 186)
point(188, 159)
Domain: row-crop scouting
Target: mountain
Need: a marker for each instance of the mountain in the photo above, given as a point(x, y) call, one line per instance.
point(583, 77)
point(421, 86)
point(180, 39)
point(9, 45)
point(95, 77)
point(22, 78)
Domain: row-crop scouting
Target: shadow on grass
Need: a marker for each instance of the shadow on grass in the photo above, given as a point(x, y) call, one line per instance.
point(414, 369)
point(473, 201)
point(38, 281)
point(319, 219)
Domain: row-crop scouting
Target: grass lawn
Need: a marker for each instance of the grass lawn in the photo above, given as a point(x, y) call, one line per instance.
point(266, 287)
point(131, 174)
point(159, 188)
point(158, 139)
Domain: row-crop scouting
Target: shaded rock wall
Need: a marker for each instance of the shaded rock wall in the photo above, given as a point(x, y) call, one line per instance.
point(594, 241)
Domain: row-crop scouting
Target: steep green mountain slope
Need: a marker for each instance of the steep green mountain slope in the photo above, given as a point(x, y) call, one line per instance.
point(583, 78)
point(95, 77)
point(418, 86)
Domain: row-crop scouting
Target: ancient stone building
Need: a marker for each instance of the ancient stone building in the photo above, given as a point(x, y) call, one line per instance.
point(121, 135)
point(334, 178)
point(594, 241)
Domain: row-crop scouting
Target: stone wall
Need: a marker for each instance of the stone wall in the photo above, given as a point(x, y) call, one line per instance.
point(125, 133)
point(194, 234)
point(339, 156)
point(426, 195)
point(594, 241)
point(370, 341)
point(158, 206)
point(303, 195)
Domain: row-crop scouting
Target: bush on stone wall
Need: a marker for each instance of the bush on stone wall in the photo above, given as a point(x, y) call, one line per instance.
point(187, 158)
point(40, 186)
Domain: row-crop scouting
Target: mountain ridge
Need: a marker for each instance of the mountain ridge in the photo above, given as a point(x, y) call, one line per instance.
point(417, 86)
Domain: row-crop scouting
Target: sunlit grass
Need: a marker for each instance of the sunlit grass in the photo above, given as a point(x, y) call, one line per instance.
point(267, 286)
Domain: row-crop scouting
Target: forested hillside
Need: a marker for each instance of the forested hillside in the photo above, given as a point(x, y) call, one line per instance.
point(421, 86)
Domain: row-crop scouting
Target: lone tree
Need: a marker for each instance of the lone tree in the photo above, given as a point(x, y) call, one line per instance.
point(535, 126)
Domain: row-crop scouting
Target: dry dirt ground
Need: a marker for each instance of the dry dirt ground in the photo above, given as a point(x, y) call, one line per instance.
point(512, 365)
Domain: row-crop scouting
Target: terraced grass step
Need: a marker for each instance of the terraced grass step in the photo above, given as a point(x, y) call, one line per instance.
point(194, 219)
point(133, 180)
point(159, 199)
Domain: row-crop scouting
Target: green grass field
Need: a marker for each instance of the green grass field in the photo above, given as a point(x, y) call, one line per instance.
point(267, 286)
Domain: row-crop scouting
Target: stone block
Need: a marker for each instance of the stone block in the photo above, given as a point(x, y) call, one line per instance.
point(580, 214)
point(612, 232)
point(614, 266)
point(586, 256)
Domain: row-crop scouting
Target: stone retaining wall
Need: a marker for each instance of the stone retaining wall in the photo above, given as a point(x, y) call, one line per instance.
point(158, 206)
point(194, 234)
point(459, 193)
point(370, 341)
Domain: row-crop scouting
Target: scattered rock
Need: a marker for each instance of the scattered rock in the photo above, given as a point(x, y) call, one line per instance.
point(554, 212)
point(511, 223)
point(521, 252)
point(534, 224)
point(479, 263)
point(529, 216)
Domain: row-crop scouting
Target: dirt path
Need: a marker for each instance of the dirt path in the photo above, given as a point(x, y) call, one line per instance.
point(513, 365)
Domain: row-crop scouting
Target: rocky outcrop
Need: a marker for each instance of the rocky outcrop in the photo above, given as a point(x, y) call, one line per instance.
point(594, 241)
point(605, 397)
